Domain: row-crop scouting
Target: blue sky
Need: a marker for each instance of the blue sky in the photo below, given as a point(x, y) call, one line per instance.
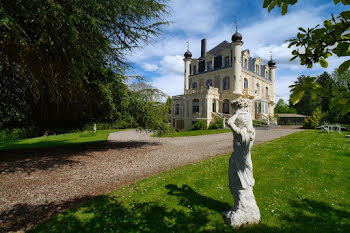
point(160, 61)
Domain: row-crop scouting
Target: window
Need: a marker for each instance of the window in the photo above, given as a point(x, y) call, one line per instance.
point(227, 61)
point(194, 85)
point(267, 92)
point(209, 65)
point(208, 83)
point(266, 74)
point(194, 69)
point(246, 63)
point(226, 83)
point(264, 107)
point(177, 109)
point(257, 89)
point(214, 106)
point(190, 83)
point(225, 107)
point(195, 106)
point(245, 83)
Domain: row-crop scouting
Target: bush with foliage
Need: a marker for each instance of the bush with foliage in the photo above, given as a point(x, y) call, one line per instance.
point(217, 124)
point(18, 133)
point(200, 125)
point(311, 122)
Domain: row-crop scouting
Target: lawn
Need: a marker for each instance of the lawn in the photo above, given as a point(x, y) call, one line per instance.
point(302, 185)
point(196, 132)
point(68, 139)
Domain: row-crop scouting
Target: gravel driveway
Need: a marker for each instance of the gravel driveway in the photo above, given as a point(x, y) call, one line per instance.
point(36, 184)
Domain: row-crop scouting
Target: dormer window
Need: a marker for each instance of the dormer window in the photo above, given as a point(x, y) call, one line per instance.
point(257, 69)
point(194, 69)
point(209, 65)
point(246, 63)
point(266, 74)
point(227, 61)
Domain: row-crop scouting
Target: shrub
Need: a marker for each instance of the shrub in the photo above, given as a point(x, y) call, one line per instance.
point(164, 128)
point(201, 124)
point(311, 122)
point(18, 133)
point(257, 123)
point(217, 124)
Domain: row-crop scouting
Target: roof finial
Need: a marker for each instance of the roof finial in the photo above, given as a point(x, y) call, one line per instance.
point(188, 45)
point(235, 21)
point(271, 55)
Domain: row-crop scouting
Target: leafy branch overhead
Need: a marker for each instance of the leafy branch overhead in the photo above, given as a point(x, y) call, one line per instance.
point(315, 45)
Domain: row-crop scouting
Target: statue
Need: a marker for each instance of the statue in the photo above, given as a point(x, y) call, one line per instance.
point(245, 210)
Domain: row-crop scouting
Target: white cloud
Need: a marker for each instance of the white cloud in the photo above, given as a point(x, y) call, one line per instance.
point(171, 84)
point(149, 67)
point(193, 16)
point(172, 64)
point(282, 89)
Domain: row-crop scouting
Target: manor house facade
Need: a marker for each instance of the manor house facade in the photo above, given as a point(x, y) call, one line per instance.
point(219, 76)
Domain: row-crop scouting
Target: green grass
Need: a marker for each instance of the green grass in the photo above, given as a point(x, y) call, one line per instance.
point(58, 140)
point(302, 185)
point(196, 132)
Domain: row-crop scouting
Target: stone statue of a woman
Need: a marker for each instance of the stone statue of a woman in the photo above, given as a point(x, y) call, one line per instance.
point(245, 210)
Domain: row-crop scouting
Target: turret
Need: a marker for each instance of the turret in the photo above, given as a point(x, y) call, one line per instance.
point(187, 60)
point(272, 65)
point(236, 47)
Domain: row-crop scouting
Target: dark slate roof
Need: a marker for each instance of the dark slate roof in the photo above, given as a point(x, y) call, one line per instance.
point(217, 49)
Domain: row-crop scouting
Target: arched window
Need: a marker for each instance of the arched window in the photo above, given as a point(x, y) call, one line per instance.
point(257, 89)
point(177, 109)
point(245, 83)
point(266, 74)
point(267, 91)
point(194, 85)
point(226, 83)
point(226, 106)
point(195, 106)
point(208, 83)
point(246, 63)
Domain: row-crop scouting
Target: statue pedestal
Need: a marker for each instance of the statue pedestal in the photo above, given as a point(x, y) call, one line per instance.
point(245, 211)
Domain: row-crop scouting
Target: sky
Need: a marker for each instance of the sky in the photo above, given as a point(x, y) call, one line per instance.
point(161, 63)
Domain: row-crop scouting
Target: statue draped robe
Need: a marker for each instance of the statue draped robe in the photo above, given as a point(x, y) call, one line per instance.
point(245, 210)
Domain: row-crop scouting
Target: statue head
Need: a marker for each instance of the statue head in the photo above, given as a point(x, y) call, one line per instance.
point(244, 119)
point(240, 104)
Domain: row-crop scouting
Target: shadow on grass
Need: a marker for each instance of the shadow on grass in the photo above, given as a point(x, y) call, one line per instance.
point(194, 213)
point(23, 216)
point(31, 160)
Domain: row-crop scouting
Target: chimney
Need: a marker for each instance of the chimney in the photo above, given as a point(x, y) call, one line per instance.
point(204, 48)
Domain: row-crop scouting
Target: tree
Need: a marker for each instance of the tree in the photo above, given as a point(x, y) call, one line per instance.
point(326, 82)
point(67, 58)
point(319, 43)
point(335, 91)
point(58, 46)
point(282, 107)
point(308, 100)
